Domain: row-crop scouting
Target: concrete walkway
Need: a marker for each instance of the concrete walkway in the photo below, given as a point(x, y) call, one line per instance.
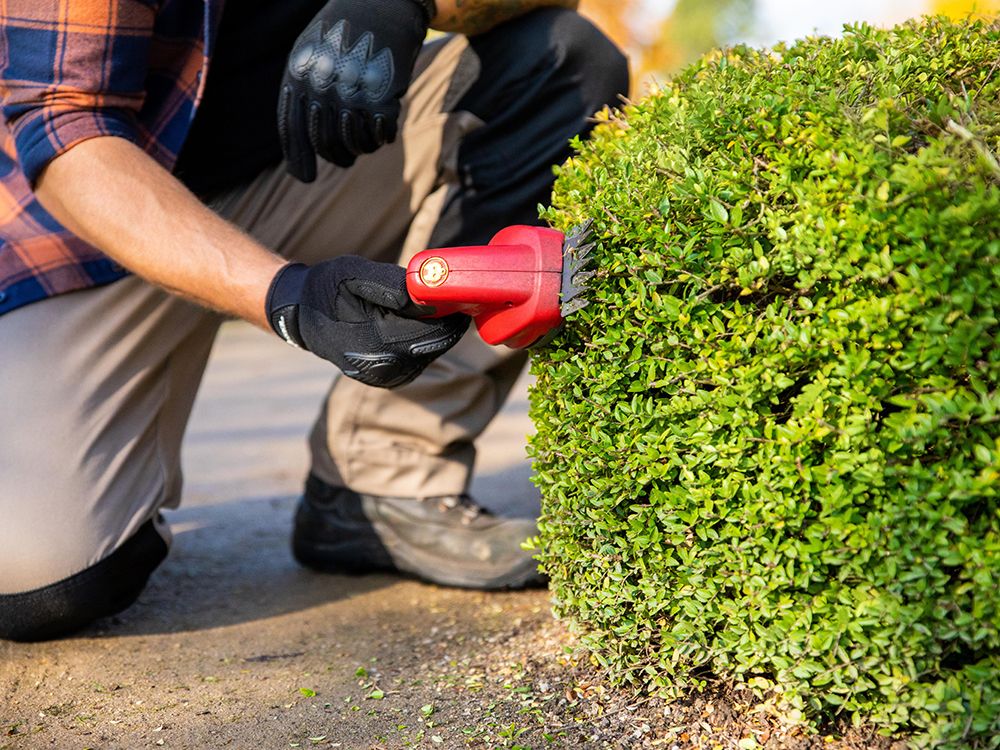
point(234, 645)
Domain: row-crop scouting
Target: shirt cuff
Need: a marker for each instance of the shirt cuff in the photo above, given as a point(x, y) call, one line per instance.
point(48, 134)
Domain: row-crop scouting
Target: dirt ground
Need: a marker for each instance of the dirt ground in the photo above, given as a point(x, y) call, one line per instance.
point(234, 645)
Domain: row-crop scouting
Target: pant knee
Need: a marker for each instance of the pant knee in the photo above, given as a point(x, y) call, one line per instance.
point(549, 58)
point(587, 58)
point(104, 589)
point(541, 78)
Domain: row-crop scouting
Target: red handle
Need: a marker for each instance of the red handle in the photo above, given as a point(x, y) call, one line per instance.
point(510, 287)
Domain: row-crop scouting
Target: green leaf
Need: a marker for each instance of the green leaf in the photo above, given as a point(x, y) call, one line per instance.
point(718, 212)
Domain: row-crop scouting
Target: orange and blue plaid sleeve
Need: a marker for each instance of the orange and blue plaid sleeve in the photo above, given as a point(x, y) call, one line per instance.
point(71, 70)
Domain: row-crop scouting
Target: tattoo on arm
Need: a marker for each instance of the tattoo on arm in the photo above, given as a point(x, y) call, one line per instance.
point(477, 16)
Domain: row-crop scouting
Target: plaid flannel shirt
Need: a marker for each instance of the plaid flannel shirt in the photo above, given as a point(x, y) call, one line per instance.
point(76, 69)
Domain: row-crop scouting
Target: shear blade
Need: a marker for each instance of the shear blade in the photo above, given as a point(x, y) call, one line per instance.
point(576, 256)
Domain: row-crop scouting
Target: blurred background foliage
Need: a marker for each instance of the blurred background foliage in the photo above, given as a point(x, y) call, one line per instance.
point(661, 36)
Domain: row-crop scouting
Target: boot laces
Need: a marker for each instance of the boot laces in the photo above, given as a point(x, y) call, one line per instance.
point(466, 505)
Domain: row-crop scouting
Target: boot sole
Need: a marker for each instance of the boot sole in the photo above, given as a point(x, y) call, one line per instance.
point(373, 549)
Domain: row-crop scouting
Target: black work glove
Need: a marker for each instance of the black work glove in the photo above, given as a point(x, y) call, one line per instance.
point(344, 80)
point(357, 314)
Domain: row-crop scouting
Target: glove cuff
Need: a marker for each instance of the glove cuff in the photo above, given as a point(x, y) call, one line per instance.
point(282, 302)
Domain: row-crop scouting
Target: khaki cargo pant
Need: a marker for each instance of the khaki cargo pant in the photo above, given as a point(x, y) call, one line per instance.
point(98, 385)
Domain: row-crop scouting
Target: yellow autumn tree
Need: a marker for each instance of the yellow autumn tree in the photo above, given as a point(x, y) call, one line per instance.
point(963, 8)
point(615, 17)
point(660, 44)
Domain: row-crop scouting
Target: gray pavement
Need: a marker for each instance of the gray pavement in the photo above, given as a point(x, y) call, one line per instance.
point(259, 398)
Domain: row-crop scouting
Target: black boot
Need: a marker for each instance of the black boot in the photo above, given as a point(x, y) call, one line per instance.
point(445, 540)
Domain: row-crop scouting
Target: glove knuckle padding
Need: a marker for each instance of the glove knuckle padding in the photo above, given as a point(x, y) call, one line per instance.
point(379, 370)
point(355, 59)
point(347, 132)
point(444, 336)
point(379, 131)
point(284, 100)
point(384, 351)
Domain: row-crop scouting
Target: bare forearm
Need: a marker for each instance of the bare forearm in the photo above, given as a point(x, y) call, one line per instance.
point(116, 197)
point(477, 16)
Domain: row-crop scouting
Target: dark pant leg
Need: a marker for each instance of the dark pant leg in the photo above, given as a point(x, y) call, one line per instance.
point(104, 589)
point(541, 78)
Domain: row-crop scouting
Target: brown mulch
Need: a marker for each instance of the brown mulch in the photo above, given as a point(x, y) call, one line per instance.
point(528, 685)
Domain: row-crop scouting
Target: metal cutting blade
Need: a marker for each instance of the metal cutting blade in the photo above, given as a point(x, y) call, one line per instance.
point(576, 256)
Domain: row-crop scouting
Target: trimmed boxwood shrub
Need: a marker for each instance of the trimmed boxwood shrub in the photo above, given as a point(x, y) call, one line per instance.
point(769, 449)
